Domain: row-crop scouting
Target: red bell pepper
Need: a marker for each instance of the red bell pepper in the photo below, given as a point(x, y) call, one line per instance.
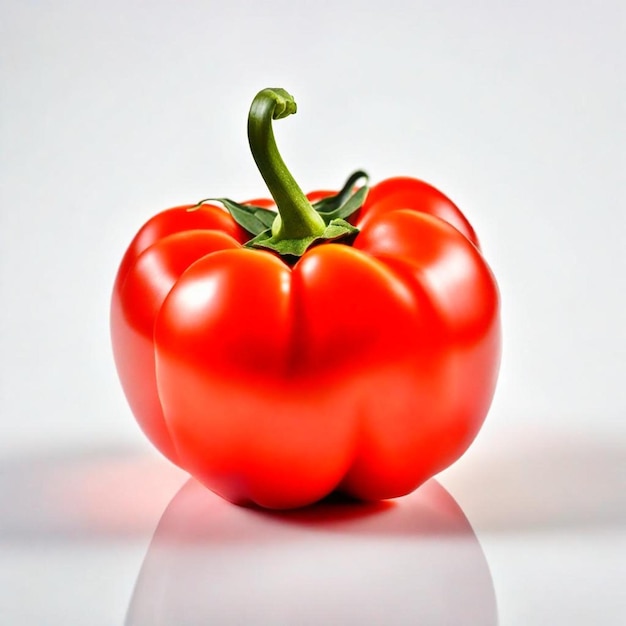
point(349, 342)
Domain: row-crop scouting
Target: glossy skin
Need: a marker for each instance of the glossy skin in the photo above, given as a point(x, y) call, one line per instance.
point(365, 368)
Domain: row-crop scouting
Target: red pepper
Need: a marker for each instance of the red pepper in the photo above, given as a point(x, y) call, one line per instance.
point(278, 359)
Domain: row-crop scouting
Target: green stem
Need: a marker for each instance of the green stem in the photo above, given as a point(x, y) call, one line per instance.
point(298, 219)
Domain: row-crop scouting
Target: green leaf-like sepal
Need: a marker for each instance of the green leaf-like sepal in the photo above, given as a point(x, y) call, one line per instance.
point(344, 203)
point(292, 249)
point(254, 219)
point(352, 205)
point(334, 210)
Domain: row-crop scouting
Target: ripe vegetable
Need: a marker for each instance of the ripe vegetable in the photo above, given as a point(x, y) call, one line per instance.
point(349, 342)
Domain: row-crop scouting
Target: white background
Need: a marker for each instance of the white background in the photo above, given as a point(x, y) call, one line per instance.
point(110, 112)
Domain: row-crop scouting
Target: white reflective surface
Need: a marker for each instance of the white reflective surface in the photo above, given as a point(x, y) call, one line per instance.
point(413, 561)
point(112, 537)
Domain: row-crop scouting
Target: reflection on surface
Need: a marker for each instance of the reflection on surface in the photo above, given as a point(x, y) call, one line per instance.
point(91, 494)
point(535, 480)
point(415, 560)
